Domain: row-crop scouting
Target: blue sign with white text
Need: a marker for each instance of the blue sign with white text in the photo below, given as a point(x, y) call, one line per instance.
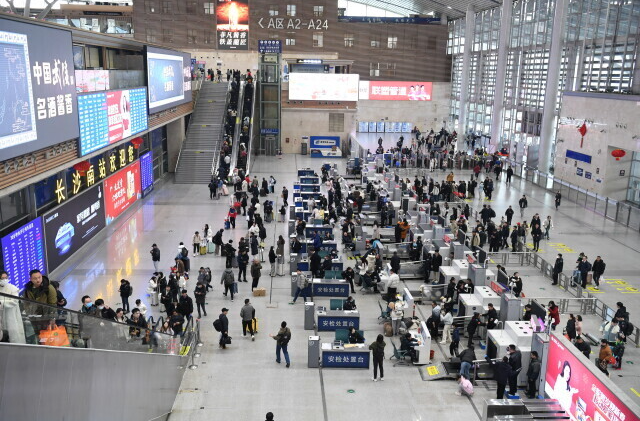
point(328, 323)
point(146, 173)
point(332, 290)
point(22, 251)
point(334, 359)
point(269, 46)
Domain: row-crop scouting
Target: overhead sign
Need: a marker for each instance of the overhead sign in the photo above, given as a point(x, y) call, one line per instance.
point(122, 190)
point(38, 88)
point(309, 61)
point(168, 78)
point(293, 24)
point(395, 91)
point(269, 46)
point(232, 24)
point(323, 86)
point(578, 390)
point(108, 117)
point(370, 19)
point(72, 225)
point(23, 251)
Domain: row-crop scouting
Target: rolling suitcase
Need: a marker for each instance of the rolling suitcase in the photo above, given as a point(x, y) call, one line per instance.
point(227, 224)
point(203, 248)
point(211, 247)
point(254, 325)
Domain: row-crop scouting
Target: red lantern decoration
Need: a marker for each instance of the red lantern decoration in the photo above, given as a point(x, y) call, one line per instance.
point(82, 167)
point(618, 153)
point(137, 142)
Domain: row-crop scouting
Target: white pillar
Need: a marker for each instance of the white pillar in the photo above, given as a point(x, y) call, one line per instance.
point(551, 89)
point(469, 30)
point(497, 116)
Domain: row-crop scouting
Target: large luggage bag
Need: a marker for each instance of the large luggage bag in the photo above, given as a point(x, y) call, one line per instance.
point(388, 329)
point(254, 325)
point(211, 247)
point(203, 249)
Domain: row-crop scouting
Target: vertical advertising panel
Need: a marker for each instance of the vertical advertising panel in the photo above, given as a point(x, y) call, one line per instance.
point(22, 251)
point(121, 191)
point(232, 18)
point(37, 87)
point(72, 225)
point(146, 173)
point(578, 389)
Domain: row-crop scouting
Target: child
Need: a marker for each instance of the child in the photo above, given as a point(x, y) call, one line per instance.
point(465, 388)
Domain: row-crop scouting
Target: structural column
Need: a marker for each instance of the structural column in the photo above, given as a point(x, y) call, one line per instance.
point(497, 116)
point(469, 30)
point(548, 127)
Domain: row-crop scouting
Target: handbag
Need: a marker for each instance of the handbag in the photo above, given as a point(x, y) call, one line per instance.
point(54, 336)
point(227, 340)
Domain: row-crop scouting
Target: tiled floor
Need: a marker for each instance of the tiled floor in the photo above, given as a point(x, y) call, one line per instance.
point(244, 382)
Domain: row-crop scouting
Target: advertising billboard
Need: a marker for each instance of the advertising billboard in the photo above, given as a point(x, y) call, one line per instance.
point(121, 191)
point(325, 147)
point(395, 91)
point(72, 225)
point(580, 392)
point(22, 251)
point(232, 19)
point(168, 78)
point(38, 88)
point(146, 173)
point(108, 117)
point(92, 80)
point(323, 86)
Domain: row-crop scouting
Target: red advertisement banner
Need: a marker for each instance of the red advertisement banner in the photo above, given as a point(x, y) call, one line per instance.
point(578, 390)
point(119, 115)
point(121, 191)
point(395, 91)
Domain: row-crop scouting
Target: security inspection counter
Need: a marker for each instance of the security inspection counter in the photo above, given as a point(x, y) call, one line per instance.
point(330, 288)
point(345, 356)
point(330, 320)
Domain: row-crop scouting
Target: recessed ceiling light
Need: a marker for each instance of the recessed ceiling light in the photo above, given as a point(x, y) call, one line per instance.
point(448, 7)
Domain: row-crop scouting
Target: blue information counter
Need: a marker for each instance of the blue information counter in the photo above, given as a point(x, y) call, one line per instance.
point(309, 180)
point(346, 358)
point(324, 248)
point(330, 320)
point(310, 230)
point(330, 288)
point(305, 172)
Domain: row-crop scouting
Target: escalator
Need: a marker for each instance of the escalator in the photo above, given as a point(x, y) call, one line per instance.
point(60, 364)
point(245, 131)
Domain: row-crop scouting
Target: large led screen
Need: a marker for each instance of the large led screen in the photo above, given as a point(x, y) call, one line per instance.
point(108, 117)
point(395, 91)
point(168, 78)
point(73, 224)
point(23, 251)
point(323, 87)
point(232, 24)
point(37, 88)
point(122, 189)
point(146, 173)
point(578, 390)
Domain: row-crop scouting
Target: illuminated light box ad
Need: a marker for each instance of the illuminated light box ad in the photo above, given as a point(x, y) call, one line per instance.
point(38, 88)
point(121, 191)
point(108, 117)
point(73, 224)
point(232, 24)
point(168, 77)
point(92, 80)
point(23, 251)
point(395, 91)
point(578, 390)
point(146, 173)
point(323, 87)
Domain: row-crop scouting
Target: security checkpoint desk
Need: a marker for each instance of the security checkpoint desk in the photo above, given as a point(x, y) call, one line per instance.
point(423, 349)
point(330, 288)
point(330, 320)
point(347, 356)
point(478, 301)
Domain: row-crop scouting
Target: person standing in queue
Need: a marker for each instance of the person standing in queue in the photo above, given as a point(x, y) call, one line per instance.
point(533, 373)
point(377, 349)
point(515, 361)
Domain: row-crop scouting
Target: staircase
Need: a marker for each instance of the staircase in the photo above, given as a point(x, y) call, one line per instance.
point(204, 136)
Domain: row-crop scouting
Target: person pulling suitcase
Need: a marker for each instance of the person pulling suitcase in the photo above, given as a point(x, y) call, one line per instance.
point(248, 315)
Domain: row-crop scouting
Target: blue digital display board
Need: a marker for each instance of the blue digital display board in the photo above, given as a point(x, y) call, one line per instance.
point(108, 117)
point(146, 173)
point(23, 251)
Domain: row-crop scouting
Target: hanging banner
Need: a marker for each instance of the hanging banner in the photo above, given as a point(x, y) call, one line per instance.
point(232, 27)
point(395, 91)
point(122, 190)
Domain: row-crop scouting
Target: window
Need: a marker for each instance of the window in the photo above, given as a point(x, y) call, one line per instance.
point(151, 6)
point(291, 9)
point(209, 8)
point(318, 39)
point(166, 7)
point(349, 40)
point(318, 10)
point(273, 10)
point(191, 7)
point(382, 69)
point(392, 42)
point(192, 36)
point(167, 35)
point(290, 41)
point(336, 122)
point(375, 43)
point(151, 35)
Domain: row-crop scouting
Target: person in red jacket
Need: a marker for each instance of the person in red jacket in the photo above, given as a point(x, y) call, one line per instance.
point(554, 315)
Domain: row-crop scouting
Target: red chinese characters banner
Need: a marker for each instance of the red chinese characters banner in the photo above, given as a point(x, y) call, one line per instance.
point(578, 390)
point(396, 91)
point(122, 190)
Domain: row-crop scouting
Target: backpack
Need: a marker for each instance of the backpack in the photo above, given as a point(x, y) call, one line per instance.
point(185, 252)
point(130, 290)
point(628, 329)
point(217, 325)
point(284, 339)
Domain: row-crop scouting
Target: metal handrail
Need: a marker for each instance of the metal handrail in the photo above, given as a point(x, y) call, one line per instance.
point(216, 159)
point(251, 125)
point(236, 132)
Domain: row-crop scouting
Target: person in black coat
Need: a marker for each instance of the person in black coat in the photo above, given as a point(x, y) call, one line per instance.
point(348, 276)
point(176, 321)
point(185, 305)
point(491, 316)
point(436, 262)
point(501, 373)
point(395, 262)
point(200, 293)
point(224, 330)
point(515, 361)
point(473, 325)
point(571, 327)
point(314, 263)
point(557, 268)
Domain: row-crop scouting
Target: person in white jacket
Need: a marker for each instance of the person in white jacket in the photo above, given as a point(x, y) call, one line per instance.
point(447, 319)
point(610, 330)
point(141, 306)
point(392, 288)
point(547, 225)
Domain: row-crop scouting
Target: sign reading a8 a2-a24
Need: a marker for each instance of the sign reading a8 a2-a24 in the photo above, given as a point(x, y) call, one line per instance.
point(282, 23)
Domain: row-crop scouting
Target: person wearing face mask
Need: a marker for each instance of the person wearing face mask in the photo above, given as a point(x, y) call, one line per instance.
point(12, 326)
point(88, 307)
point(557, 269)
point(105, 311)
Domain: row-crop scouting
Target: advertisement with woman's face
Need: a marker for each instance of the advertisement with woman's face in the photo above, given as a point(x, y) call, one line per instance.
point(578, 390)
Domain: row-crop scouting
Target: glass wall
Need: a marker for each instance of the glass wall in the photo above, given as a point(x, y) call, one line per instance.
point(600, 53)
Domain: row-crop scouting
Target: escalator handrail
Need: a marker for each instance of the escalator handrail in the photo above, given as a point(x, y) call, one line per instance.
point(251, 125)
point(216, 158)
point(236, 133)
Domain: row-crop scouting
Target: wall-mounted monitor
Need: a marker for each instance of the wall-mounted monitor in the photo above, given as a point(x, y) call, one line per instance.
point(168, 78)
